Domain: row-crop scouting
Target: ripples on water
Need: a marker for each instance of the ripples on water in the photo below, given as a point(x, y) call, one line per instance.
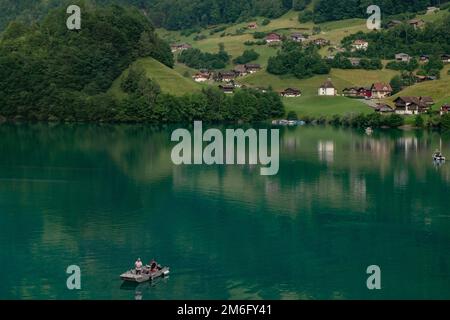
point(100, 196)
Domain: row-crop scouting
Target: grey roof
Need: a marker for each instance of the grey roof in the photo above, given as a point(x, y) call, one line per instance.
point(327, 84)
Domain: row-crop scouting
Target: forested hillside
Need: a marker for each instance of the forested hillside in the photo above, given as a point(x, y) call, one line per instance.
point(48, 70)
point(49, 73)
point(328, 10)
point(171, 14)
point(434, 39)
point(184, 14)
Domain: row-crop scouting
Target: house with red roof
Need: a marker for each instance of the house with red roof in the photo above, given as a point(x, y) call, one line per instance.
point(360, 45)
point(273, 38)
point(381, 90)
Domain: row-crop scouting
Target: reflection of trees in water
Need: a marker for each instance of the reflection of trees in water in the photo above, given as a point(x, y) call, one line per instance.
point(261, 236)
point(136, 149)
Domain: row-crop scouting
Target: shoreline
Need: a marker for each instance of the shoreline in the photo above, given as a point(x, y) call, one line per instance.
point(315, 122)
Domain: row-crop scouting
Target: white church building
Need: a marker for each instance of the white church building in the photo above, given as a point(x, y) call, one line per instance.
point(327, 89)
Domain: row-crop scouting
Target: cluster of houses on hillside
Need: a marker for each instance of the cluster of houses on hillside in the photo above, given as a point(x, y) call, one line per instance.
point(363, 45)
point(404, 57)
point(415, 23)
point(275, 38)
point(228, 75)
point(403, 105)
point(378, 90)
point(406, 105)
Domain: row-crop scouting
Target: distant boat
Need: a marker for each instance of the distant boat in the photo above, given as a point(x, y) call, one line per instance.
point(369, 130)
point(288, 122)
point(438, 157)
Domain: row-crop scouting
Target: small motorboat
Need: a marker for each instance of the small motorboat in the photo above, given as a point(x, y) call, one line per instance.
point(146, 274)
point(437, 156)
point(291, 123)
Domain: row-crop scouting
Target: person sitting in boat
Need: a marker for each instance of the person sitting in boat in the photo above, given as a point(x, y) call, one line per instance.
point(153, 265)
point(138, 266)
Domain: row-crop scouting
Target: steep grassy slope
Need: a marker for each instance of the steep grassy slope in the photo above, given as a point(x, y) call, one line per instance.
point(439, 90)
point(170, 80)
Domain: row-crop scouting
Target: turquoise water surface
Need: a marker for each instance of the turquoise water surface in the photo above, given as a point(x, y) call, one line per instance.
point(99, 196)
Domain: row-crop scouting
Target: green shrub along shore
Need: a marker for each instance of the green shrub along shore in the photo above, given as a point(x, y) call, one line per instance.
point(376, 120)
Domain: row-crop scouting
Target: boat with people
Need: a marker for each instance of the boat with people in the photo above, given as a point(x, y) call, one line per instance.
point(437, 156)
point(290, 123)
point(145, 273)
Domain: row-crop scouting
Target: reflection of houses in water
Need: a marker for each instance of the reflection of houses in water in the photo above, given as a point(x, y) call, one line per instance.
point(291, 143)
point(326, 151)
point(401, 178)
point(272, 186)
point(358, 188)
point(408, 144)
point(380, 148)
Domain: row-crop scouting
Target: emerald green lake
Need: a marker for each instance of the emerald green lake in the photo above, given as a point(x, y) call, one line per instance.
point(99, 196)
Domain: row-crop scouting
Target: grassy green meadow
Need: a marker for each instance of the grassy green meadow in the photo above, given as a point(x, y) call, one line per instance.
point(169, 79)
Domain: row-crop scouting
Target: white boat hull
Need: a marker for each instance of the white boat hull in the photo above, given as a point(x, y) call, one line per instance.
point(145, 275)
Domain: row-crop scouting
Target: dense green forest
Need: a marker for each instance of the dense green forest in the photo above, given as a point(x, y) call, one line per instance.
point(50, 73)
point(171, 14)
point(301, 62)
point(197, 59)
point(185, 14)
point(328, 10)
point(434, 39)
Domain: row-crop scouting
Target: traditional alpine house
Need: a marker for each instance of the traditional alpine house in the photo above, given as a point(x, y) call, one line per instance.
point(226, 76)
point(403, 57)
point(355, 61)
point(252, 67)
point(321, 42)
point(298, 37)
point(240, 70)
point(381, 90)
point(393, 23)
point(416, 23)
point(412, 105)
point(180, 47)
point(445, 58)
point(273, 38)
point(291, 92)
point(360, 45)
point(227, 88)
point(202, 76)
point(445, 109)
point(384, 108)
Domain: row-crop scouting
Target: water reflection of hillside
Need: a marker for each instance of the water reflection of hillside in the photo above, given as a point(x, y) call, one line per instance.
point(341, 168)
point(103, 194)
